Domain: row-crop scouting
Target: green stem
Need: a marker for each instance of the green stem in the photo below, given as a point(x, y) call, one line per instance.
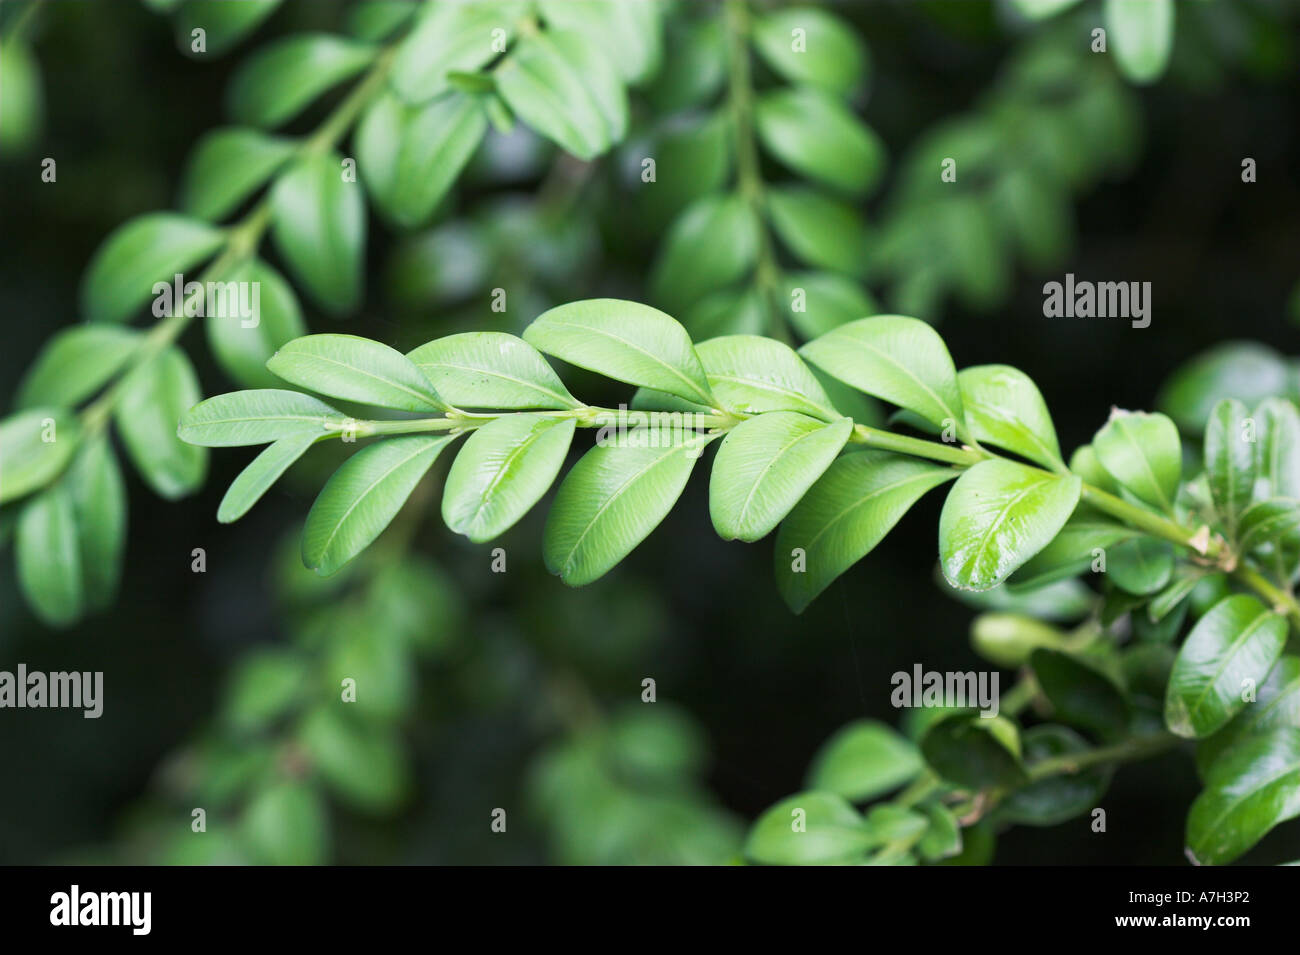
point(749, 177)
point(1138, 747)
point(1280, 600)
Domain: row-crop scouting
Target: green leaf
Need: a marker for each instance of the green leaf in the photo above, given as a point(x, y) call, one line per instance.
point(1165, 602)
point(449, 37)
point(154, 396)
point(713, 243)
point(820, 231)
point(752, 375)
point(1276, 521)
point(491, 370)
point(1277, 465)
point(365, 766)
point(566, 91)
point(363, 496)
point(242, 347)
point(1249, 791)
point(811, 828)
point(379, 19)
point(48, 558)
point(287, 824)
point(1007, 639)
point(1247, 371)
point(943, 839)
point(614, 497)
point(502, 471)
point(1231, 648)
point(763, 468)
point(227, 166)
point(1277, 703)
point(822, 301)
point(1143, 453)
point(76, 363)
point(262, 472)
point(34, 447)
point(1055, 799)
point(256, 417)
point(318, 222)
point(974, 751)
point(825, 51)
point(1141, 36)
point(1085, 463)
point(1004, 408)
point(1230, 460)
point(625, 341)
point(1140, 566)
point(263, 688)
point(863, 760)
point(628, 32)
point(817, 137)
point(410, 157)
point(137, 255)
point(899, 359)
point(24, 97)
point(281, 80)
point(356, 369)
point(844, 516)
point(1042, 9)
point(224, 23)
point(98, 497)
point(997, 516)
point(1080, 693)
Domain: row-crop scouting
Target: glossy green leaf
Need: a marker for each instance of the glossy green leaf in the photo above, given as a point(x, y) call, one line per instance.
point(1230, 459)
point(1247, 371)
point(818, 137)
point(75, 364)
point(410, 157)
point(625, 341)
point(820, 231)
point(1055, 799)
point(902, 360)
point(1140, 566)
point(613, 498)
point(566, 91)
point(281, 80)
point(98, 496)
point(844, 516)
point(1079, 548)
point(147, 250)
point(1143, 453)
point(363, 496)
point(1080, 692)
point(1249, 791)
point(1141, 34)
point(353, 368)
point(1231, 648)
point(811, 828)
point(752, 375)
point(997, 516)
point(35, 445)
point(763, 468)
point(227, 166)
point(364, 765)
point(243, 344)
point(48, 558)
point(262, 473)
point(863, 760)
point(807, 44)
point(713, 243)
point(1085, 463)
point(502, 471)
point(256, 417)
point(318, 222)
point(1275, 521)
point(974, 751)
point(1276, 704)
point(491, 370)
point(449, 37)
point(287, 824)
point(1277, 444)
point(1162, 604)
point(1004, 408)
point(154, 396)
